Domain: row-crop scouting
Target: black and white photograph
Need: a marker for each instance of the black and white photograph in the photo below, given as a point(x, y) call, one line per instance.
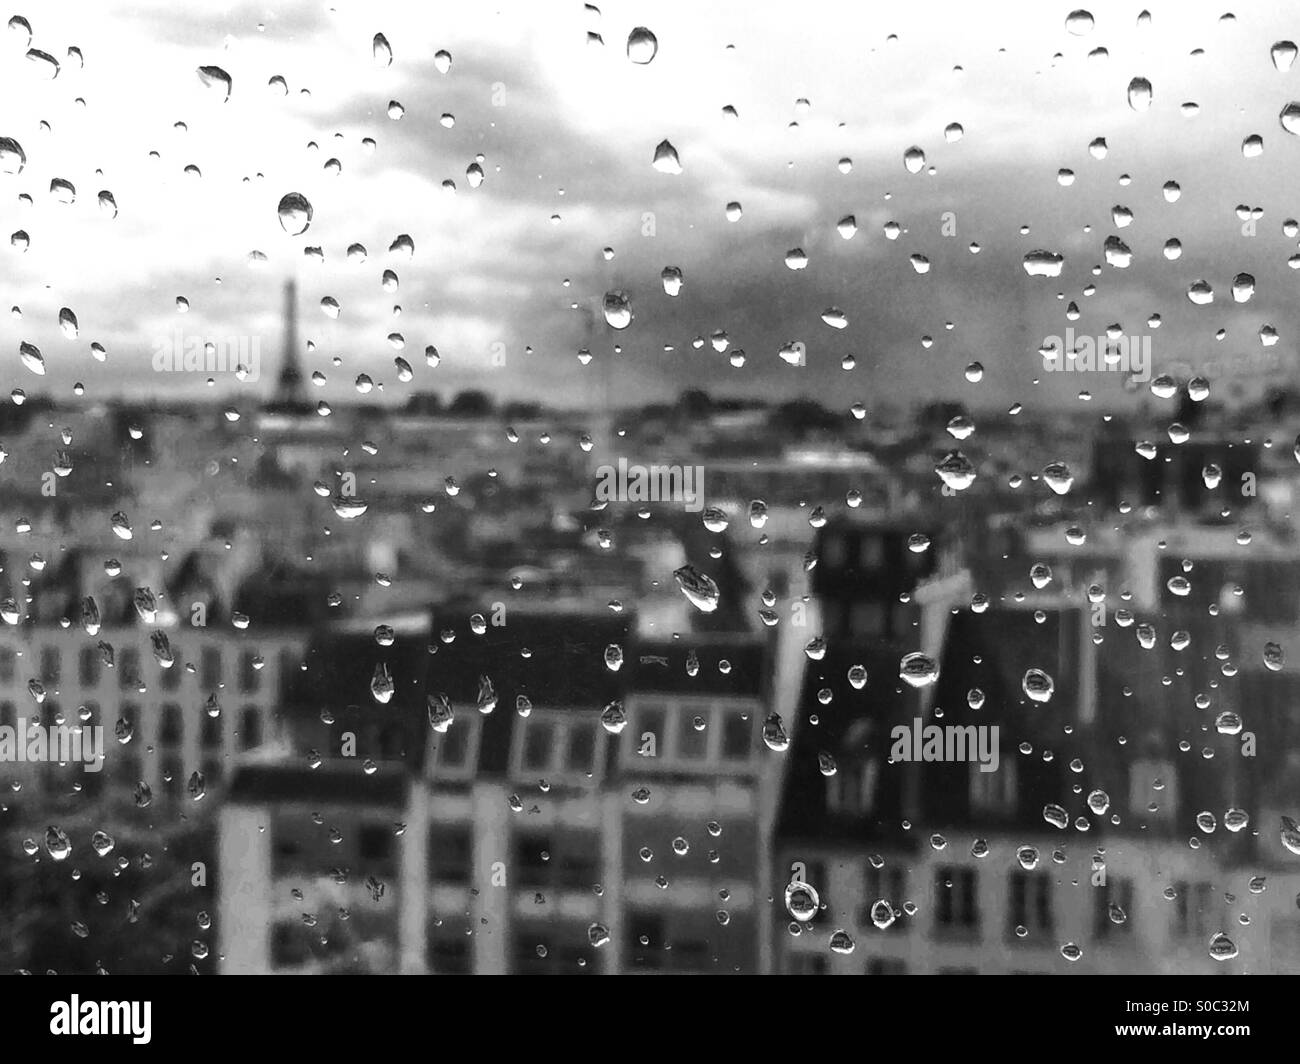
point(532, 487)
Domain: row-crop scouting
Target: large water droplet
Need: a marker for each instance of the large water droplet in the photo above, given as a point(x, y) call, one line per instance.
point(698, 587)
point(295, 213)
point(12, 156)
point(441, 714)
point(1043, 263)
point(1222, 948)
point(44, 64)
point(57, 844)
point(666, 160)
point(31, 357)
point(381, 684)
point(775, 737)
point(1057, 476)
point(801, 901)
point(1079, 23)
point(1274, 657)
point(918, 670)
point(613, 717)
point(217, 80)
point(617, 308)
point(1037, 685)
point(642, 46)
point(1291, 835)
point(1139, 94)
point(956, 471)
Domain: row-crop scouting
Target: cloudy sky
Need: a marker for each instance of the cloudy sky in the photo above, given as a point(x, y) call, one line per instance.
point(568, 129)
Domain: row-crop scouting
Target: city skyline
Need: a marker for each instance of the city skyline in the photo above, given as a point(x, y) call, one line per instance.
point(521, 90)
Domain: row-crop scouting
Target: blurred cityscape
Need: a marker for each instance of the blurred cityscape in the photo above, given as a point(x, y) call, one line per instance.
point(403, 689)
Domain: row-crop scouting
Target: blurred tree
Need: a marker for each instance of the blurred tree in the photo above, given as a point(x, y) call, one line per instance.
point(87, 911)
point(694, 403)
point(471, 404)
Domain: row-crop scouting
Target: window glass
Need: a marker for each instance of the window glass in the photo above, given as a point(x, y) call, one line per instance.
point(635, 488)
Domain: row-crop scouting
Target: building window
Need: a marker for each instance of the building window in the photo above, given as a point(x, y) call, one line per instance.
point(392, 742)
point(645, 941)
point(1031, 902)
point(289, 945)
point(51, 662)
point(376, 848)
point(171, 677)
point(453, 747)
point(212, 770)
point(737, 735)
point(250, 678)
point(447, 950)
point(210, 668)
point(539, 743)
point(128, 667)
point(171, 777)
point(1114, 905)
point(650, 719)
point(127, 762)
point(563, 951)
point(287, 661)
point(250, 728)
point(456, 750)
point(568, 859)
point(450, 854)
point(581, 753)
point(692, 741)
point(558, 743)
point(210, 737)
point(956, 902)
point(888, 884)
point(993, 792)
point(852, 789)
point(89, 667)
point(171, 726)
point(1195, 909)
point(88, 716)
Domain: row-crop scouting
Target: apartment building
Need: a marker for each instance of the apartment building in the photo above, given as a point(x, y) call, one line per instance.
point(593, 806)
point(1133, 733)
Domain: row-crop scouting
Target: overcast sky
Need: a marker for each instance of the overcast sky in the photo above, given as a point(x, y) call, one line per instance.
point(568, 132)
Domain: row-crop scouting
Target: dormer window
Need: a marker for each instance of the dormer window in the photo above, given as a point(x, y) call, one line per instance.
point(852, 790)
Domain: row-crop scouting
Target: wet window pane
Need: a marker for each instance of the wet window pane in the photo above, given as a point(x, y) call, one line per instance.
point(669, 489)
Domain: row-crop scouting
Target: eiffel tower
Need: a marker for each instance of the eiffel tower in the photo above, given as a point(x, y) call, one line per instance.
point(290, 397)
